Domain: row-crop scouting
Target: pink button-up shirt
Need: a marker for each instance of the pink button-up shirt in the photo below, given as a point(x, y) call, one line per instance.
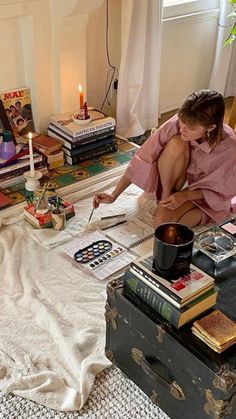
point(212, 170)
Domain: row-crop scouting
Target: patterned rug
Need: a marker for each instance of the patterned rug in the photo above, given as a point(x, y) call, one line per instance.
point(113, 397)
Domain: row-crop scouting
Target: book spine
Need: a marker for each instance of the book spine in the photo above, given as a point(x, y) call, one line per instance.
point(21, 170)
point(87, 147)
point(19, 164)
point(154, 283)
point(73, 142)
point(12, 181)
point(158, 303)
point(91, 154)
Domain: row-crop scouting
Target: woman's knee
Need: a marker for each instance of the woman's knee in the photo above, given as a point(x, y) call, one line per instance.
point(176, 147)
point(163, 215)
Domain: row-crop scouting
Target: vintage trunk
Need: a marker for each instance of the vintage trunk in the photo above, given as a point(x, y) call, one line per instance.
point(184, 377)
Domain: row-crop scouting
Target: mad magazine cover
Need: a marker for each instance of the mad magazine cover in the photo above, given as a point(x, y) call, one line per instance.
point(18, 107)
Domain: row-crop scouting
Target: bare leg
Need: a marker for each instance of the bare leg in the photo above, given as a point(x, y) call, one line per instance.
point(191, 218)
point(172, 166)
point(186, 214)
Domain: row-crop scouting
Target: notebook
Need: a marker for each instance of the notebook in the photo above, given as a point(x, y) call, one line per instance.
point(134, 235)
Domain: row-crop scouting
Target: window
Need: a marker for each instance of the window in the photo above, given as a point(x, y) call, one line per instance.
point(174, 8)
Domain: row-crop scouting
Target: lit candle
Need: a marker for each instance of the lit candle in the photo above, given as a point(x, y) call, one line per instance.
point(31, 155)
point(81, 97)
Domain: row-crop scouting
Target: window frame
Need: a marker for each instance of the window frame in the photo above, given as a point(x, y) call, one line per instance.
point(173, 8)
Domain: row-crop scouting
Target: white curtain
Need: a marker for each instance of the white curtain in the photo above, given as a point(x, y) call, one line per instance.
point(223, 53)
point(139, 74)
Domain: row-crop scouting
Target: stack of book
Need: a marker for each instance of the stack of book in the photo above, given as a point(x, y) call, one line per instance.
point(51, 148)
point(178, 301)
point(216, 330)
point(12, 171)
point(84, 142)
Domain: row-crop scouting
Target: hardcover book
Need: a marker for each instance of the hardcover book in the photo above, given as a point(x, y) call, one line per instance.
point(87, 147)
point(46, 144)
point(18, 107)
point(17, 176)
point(22, 161)
point(140, 292)
point(90, 154)
point(180, 291)
point(98, 121)
point(73, 142)
point(216, 330)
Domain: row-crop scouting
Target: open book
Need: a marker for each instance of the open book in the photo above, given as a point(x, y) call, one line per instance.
point(134, 234)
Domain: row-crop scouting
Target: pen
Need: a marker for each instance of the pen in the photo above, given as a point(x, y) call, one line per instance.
point(109, 217)
point(113, 225)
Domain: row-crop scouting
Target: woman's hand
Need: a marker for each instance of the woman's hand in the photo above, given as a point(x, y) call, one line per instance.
point(175, 200)
point(104, 198)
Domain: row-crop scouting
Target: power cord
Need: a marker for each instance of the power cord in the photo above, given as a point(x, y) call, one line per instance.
point(113, 70)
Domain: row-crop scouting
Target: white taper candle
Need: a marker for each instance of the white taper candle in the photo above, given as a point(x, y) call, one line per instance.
point(31, 155)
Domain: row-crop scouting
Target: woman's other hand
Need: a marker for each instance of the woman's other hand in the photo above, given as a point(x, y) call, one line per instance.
point(175, 200)
point(104, 198)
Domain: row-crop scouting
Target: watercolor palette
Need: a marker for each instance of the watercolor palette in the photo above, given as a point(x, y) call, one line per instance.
point(97, 253)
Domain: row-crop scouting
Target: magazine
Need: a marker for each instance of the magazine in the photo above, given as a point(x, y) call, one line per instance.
point(18, 107)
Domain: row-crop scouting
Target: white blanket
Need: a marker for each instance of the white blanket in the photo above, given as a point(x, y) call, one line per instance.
point(52, 327)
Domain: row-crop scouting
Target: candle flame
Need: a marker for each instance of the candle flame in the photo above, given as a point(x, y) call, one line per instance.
point(30, 135)
point(80, 88)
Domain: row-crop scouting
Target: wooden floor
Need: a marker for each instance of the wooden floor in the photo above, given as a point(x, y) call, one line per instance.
point(228, 104)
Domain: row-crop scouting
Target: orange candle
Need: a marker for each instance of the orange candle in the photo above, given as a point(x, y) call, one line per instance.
point(81, 97)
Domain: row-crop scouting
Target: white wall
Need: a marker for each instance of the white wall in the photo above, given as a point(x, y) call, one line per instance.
point(43, 47)
point(188, 47)
point(97, 66)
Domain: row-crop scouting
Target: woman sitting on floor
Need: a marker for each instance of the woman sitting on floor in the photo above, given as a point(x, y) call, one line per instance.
point(194, 146)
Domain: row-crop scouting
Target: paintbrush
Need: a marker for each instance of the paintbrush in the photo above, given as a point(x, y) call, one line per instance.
point(45, 188)
point(91, 214)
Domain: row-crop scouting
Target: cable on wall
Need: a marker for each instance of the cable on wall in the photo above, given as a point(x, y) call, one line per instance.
point(112, 71)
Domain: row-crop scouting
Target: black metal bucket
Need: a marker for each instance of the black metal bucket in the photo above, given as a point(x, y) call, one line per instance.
point(172, 251)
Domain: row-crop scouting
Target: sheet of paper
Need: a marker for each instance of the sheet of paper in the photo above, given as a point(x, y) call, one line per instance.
point(50, 238)
point(131, 233)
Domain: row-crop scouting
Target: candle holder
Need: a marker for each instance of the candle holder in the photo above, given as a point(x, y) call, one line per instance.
point(32, 180)
point(79, 121)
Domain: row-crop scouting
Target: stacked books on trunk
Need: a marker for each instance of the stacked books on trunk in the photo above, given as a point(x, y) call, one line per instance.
point(84, 142)
point(12, 171)
point(216, 330)
point(178, 301)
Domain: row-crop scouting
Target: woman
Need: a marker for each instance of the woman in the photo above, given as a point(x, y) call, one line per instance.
point(193, 146)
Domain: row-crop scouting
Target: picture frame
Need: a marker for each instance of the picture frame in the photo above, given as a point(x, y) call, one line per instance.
point(4, 121)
